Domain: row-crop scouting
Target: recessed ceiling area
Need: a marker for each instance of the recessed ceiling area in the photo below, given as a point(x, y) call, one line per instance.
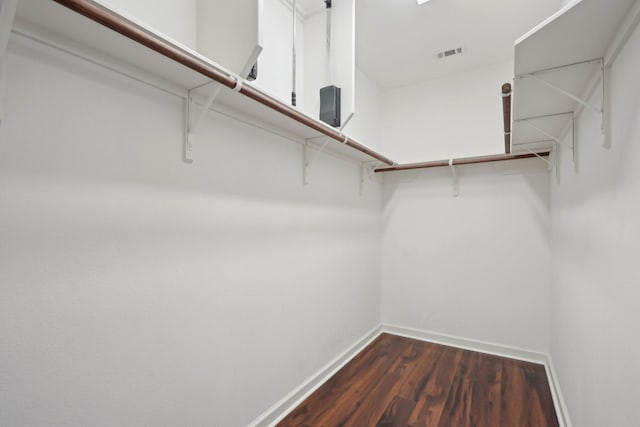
point(398, 41)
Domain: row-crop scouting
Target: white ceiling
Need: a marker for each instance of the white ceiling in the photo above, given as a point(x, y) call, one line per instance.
point(397, 41)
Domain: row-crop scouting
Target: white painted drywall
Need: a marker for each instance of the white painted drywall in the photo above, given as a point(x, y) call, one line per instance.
point(474, 266)
point(595, 241)
point(339, 69)
point(230, 33)
point(455, 116)
point(366, 123)
point(343, 53)
point(275, 65)
point(316, 67)
point(137, 290)
point(174, 18)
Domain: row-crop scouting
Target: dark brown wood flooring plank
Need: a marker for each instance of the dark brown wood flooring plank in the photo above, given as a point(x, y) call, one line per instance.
point(433, 389)
point(457, 408)
point(372, 408)
point(397, 413)
point(415, 384)
point(539, 395)
point(338, 385)
point(341, 395)
point(487, 392)
point(513, 395)
point(526, 399)
point(360, 392)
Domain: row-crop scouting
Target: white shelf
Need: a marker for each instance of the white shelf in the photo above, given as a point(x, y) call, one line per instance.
point(568, 51)
point(47, 20)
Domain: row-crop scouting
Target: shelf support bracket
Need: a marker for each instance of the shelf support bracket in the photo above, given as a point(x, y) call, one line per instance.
point(308, 157)
point(549, 163)
point(195, 114)
point(367, 170)
point(559, 141)
point(542, 131)
point(7, 15)
point(454, 177)
point(580, 100)
point(566, 93)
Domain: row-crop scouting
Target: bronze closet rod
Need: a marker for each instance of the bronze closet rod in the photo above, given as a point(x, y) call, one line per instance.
point(461, 161)
point(506, 116)
point(109, 19)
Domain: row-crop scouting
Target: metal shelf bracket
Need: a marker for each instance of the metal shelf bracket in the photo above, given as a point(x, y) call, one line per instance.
point(308, 156)
point(367, 171)
point(557, 140)
point(597, 82)
point(566, 93)
point(194, 115)
point(550, 164)
point(7, 15)
point(454, 177)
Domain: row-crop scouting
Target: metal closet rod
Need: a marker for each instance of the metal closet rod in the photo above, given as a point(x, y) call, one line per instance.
point(109, 19)
point(461, 161)
point(94, 12)
point(506, 115)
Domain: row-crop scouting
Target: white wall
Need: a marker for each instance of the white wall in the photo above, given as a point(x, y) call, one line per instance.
point(316, 67)
point(595, 247)
point(137, 290)
point(174, 18)
point(366, 124)
point(230, 33)
point(475, 266)
point(275, 64)
point(454, 116)
point(339, 69)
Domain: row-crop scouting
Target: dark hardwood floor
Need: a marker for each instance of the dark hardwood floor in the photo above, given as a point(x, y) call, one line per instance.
point(401, 382)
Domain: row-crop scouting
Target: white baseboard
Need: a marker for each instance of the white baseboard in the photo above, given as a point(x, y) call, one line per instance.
point(468, 344)
point(285, 405)
point(562, 411)
point(280, 409)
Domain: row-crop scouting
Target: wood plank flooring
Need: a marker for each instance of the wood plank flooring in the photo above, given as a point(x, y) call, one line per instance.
point(401, 382)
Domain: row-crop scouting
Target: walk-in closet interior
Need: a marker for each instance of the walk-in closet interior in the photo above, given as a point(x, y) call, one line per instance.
point(407, 213)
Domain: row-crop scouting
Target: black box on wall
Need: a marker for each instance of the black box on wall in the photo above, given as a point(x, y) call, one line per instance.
point(330, 105)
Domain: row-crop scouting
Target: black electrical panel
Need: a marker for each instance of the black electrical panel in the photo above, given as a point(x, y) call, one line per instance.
point(330, 105)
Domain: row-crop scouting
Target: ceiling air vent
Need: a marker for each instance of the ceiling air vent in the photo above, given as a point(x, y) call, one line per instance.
point(450, 52)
